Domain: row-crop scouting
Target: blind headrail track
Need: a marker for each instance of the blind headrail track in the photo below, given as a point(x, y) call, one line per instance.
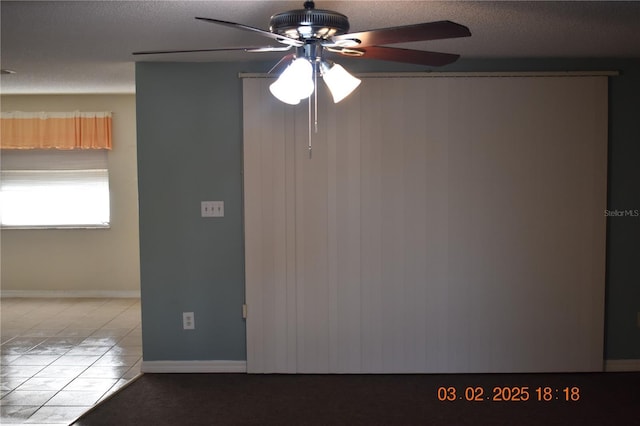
point(488, 74)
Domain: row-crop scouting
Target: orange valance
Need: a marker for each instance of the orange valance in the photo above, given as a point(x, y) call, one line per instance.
point(55, 130)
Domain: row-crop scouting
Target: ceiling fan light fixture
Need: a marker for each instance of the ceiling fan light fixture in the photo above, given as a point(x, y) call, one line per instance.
point(295, 83)
point(283, 94)
point(340, 83)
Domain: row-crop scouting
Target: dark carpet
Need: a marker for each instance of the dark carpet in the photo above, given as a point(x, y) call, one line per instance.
point(248, 399)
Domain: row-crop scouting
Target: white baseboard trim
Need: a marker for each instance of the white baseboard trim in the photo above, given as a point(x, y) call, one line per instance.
point(54, 294)
point(218, 366)
point(618, 365)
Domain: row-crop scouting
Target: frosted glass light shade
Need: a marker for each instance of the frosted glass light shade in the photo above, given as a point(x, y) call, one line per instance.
point(295, 83)
point(339, 81)
point(283, 93)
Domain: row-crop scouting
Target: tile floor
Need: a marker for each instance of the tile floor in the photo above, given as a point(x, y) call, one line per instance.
point(62, 356)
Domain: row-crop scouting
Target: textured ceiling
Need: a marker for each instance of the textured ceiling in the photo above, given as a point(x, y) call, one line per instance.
point(85, 46)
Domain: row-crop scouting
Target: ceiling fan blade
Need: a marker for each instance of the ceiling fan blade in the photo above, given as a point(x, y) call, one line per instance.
point(404, 34)
point(221, 49)
point(277, 37)
point(420, 57)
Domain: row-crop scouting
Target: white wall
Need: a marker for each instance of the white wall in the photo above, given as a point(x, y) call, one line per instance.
point(84, 262)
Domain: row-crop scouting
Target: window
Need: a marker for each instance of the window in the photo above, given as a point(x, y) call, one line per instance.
point(54, 189)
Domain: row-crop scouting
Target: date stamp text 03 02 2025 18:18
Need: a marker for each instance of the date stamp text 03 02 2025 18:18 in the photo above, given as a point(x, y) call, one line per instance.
point(509, 394)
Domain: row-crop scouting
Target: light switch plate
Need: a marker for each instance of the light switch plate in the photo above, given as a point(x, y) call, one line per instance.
point(212, 208)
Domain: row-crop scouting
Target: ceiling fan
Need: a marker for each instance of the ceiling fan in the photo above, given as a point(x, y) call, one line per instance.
point(317, 33)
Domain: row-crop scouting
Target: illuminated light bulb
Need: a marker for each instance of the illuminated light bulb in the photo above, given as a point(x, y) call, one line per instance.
point(295, 83)
point(282, 91)
point(339, 81)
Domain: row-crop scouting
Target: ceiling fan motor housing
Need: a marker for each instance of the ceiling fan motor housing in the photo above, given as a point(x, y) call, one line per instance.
point(309, 23)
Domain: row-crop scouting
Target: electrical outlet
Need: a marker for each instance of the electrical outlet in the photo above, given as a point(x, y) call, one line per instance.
point(188, 321)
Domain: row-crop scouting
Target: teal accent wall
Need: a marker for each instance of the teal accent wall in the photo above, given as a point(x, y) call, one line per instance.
point(189, 124)
point(622, 333)
point(190, 150)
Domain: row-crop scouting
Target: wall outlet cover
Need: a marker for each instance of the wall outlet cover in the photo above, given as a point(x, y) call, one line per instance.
point(188, 321)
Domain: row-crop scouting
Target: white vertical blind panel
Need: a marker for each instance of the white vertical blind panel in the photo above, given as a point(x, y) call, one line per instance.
point(311, 247)
point(442, 225)
point(252, 162)
point(343, 141)
point(269, 250)
point(371, 227)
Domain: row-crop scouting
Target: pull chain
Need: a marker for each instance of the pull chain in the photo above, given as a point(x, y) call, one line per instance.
point(315, 96)
point(315, 108)
point(310, 151)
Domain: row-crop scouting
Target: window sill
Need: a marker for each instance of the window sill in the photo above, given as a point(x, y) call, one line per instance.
point(50, 227)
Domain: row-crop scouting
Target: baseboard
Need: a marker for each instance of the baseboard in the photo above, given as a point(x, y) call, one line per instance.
point(217, 366)
point(613, 365)
point(55, 294)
